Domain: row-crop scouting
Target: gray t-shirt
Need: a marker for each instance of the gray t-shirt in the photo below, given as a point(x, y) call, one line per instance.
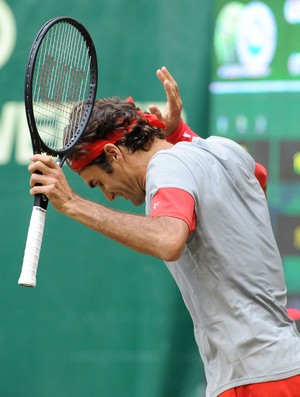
point(230, 273)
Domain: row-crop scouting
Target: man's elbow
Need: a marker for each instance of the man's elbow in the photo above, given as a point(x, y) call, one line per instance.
point(171, 252)
point(172, 238)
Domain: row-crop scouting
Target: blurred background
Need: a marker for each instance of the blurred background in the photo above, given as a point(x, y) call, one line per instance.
point(105, 321)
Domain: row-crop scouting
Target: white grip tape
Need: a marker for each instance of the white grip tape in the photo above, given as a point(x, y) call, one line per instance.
point(33, 247)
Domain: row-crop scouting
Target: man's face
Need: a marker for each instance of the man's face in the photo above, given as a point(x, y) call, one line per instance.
point(120, 183)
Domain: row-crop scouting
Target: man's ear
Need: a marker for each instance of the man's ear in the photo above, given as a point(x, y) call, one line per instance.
point(112, 152)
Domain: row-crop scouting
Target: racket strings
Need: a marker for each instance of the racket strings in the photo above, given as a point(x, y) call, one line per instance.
point(61, 82)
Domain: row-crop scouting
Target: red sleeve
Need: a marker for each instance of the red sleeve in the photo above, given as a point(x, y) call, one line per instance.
point(294, 313)
point(182, 133)
point(261, 174)
point(175, 203)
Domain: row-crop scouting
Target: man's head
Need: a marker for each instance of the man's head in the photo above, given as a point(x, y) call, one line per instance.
point(114, 121)
point(114, 150)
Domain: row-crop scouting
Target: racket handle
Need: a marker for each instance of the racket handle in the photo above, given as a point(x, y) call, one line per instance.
point(33, 247)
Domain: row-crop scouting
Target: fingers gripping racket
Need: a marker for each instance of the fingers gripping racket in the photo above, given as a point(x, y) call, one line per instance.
point(60, 91)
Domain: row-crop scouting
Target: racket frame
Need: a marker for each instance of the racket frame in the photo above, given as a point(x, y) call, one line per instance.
point(37, 143)
point(37, 221)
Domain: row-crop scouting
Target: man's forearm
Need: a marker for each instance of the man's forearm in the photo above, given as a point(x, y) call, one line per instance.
point(160, 237)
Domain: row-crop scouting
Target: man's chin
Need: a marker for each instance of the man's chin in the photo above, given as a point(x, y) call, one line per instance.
point(138, 203)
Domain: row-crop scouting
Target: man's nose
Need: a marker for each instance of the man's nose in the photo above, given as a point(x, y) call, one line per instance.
point(109, 196)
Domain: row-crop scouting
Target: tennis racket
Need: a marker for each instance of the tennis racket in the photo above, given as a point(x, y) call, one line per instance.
point(60, 91)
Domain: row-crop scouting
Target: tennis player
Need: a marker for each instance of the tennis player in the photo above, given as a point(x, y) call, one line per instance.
point(207, 218)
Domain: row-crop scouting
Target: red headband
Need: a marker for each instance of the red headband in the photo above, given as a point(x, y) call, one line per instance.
point(96, 148)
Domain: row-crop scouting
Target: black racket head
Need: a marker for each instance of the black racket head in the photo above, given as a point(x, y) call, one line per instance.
point(60, 85)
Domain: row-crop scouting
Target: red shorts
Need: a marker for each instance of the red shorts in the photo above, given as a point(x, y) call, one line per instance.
point(289, 387)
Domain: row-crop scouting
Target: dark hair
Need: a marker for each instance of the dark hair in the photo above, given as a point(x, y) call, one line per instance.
point(114, 114)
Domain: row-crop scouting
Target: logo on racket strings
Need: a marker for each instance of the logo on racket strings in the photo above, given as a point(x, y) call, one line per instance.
point(54, 89)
